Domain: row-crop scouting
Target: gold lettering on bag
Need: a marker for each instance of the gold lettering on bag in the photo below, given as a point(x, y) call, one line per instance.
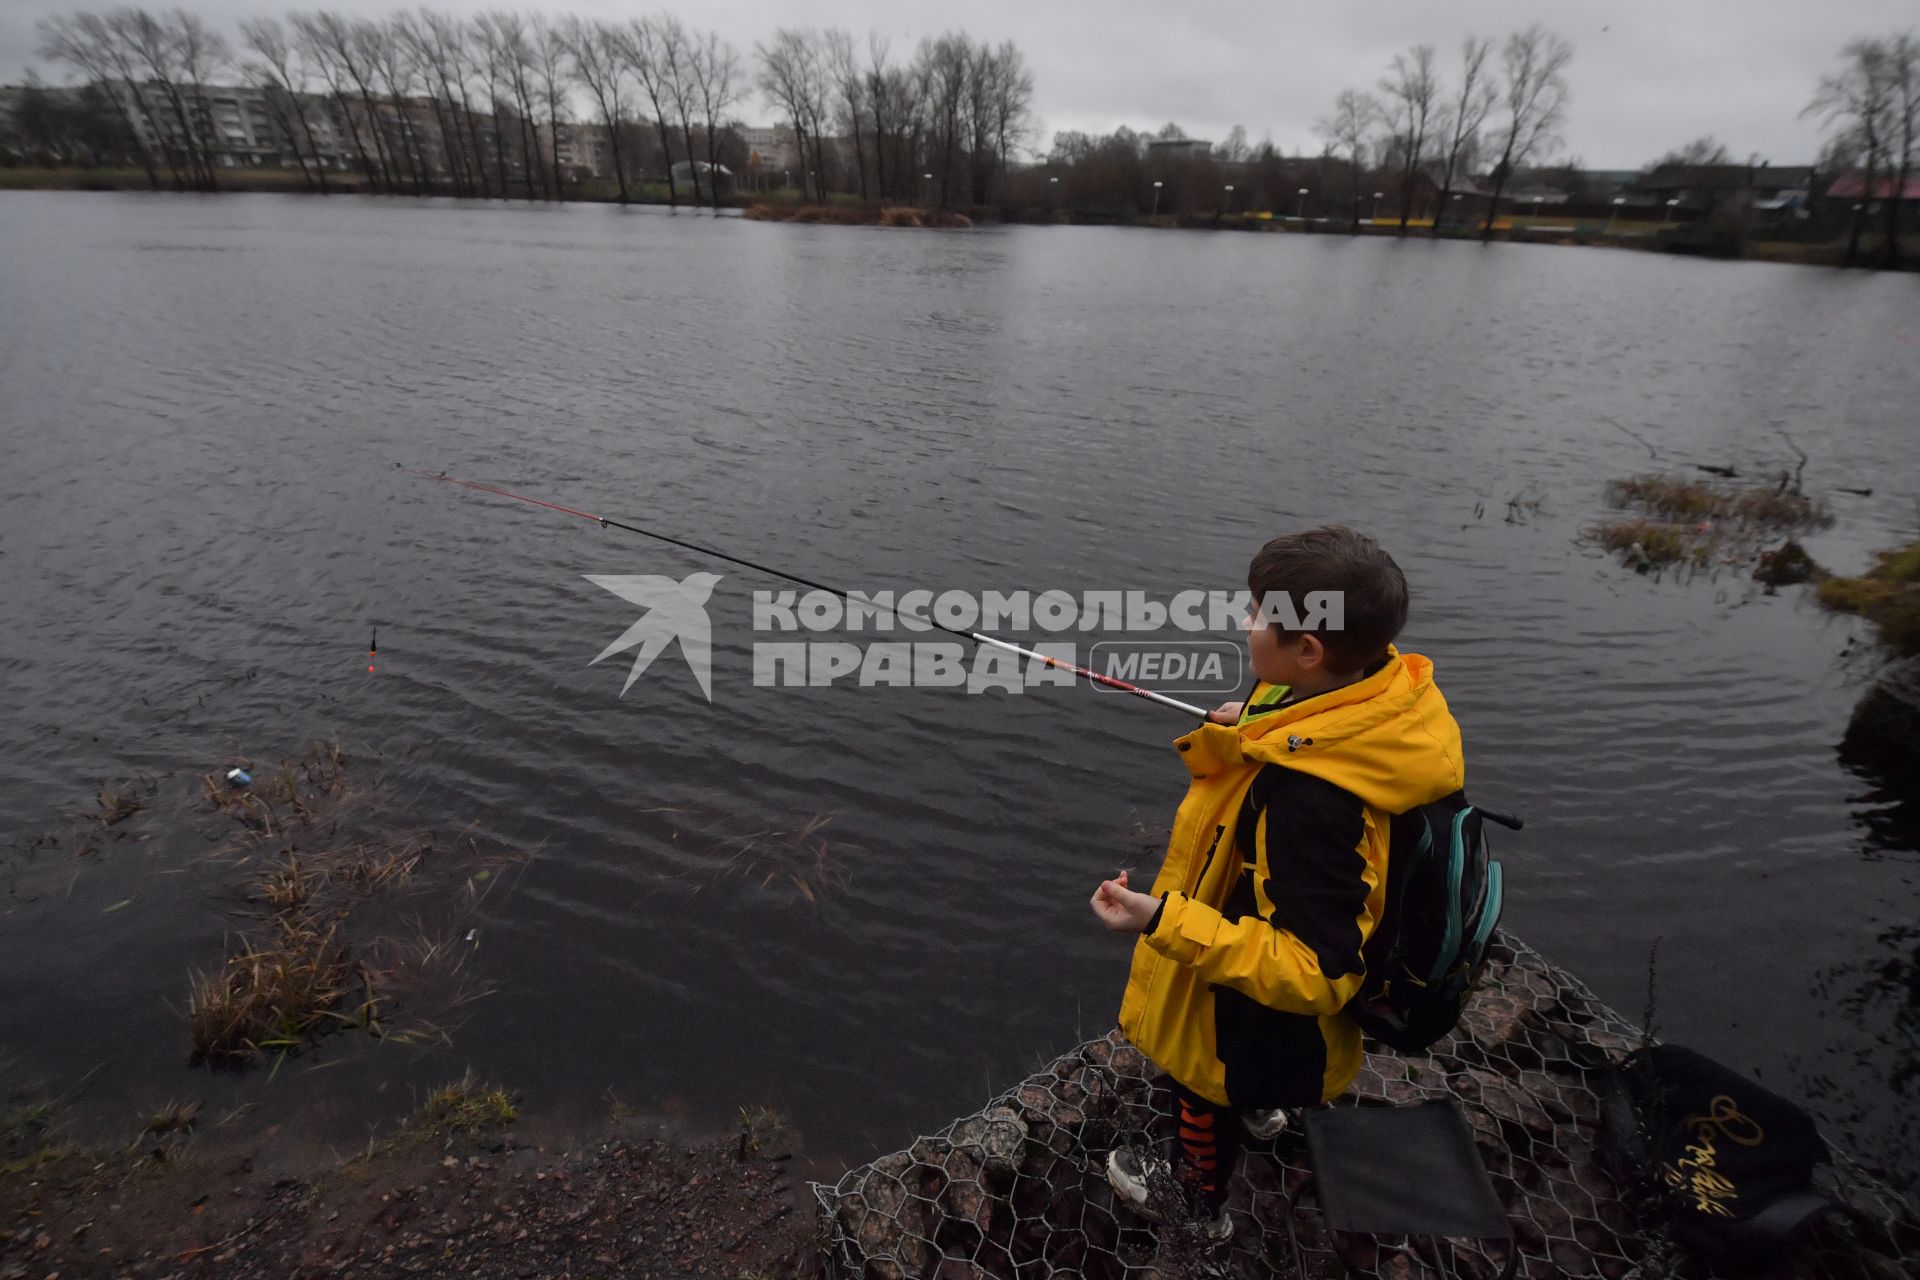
point(1696, 1174)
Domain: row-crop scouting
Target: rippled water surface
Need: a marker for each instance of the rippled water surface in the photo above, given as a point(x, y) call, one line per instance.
point(201, 406)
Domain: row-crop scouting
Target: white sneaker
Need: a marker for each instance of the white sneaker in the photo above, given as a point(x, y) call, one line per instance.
point(1145, 1184)
point(1265, 1125)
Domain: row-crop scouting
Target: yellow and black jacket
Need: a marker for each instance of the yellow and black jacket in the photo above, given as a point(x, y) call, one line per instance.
point(1274, 879)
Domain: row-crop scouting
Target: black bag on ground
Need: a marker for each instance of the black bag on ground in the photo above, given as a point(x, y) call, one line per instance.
point(1730, 1162)
point(1444, 895)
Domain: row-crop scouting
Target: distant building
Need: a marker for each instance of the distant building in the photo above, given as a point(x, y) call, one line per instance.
point(1178, 149)
point(770, 147)
point(580, 149)
point(683, 173)
point(1853, 185)
point(1703, 187)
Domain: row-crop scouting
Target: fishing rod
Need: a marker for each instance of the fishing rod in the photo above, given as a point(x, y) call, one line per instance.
point(1087, 673)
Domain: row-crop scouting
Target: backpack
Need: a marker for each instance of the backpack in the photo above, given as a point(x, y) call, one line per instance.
point(1444, 895)
point(1727, 1164)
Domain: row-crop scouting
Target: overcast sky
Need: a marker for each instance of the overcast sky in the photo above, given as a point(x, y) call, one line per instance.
point(1647, 75)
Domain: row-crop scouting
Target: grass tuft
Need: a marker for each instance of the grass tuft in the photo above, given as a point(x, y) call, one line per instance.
point(274, 993)
point(175, 1117)
point(1887, 595)
point(467, 1106)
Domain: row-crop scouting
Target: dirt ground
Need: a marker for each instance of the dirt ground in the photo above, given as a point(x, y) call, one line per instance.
point(633, 1205)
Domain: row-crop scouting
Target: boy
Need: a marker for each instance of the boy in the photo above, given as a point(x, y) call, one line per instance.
point(1275, 875)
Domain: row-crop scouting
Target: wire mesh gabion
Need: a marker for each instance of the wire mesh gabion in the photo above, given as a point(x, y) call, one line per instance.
point(1018, 1191)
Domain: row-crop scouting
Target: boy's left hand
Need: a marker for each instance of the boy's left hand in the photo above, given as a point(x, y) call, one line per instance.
point(1120, 908)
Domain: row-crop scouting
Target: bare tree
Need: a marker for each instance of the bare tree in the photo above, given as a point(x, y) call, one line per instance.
point(792, 76)
point(1346, 133)
point(493, 58)
point(1465, 118)
point(387, 60)
point(1705, 149)
point(895, 109)
point(850, 86)
point(1859, 99)
point(456, 38)
point(1534, 98)
point(1011, 104)
point(427, 39)
point(942, 66)
point(316, 46)
point(161, 51)
point(640, 47)
point(716, 75)
point(549, 65)
point(1412, 91)
point(594, 50)
point(517, 65)
point(89, 45)
point(676, 57)
point(1903, 59)
point(283, 77)
point(331, 38)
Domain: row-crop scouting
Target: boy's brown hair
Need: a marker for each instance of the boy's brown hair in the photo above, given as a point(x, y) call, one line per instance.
point(1335, 558)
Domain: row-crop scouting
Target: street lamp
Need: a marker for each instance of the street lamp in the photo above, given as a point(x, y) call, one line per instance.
point(1156, 199)
point(929, 178)
point(1300, 212)
point(1617, 202)
point(1376, 207)
point(1053, 194)
point(1667, 217)
point(1229, 197)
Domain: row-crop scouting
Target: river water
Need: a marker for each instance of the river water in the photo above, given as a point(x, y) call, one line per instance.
point(201, 519)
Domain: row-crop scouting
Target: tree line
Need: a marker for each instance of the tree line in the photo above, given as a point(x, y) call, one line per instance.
point(423, 101)
point(1872, 105)
point(1415, 129)
point(1496, 110)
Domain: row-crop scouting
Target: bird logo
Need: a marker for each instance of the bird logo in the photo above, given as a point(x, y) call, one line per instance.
point(675, 610)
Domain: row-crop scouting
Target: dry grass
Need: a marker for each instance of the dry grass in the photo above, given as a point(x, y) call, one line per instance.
point(1777, 506)
point(1699, 525)
point(311, 964)
point(1887, 595)
point(1652, 544)
point(276, 992)
point(800, 859)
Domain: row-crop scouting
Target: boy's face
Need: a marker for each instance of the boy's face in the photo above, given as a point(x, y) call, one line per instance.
point(1294, 658)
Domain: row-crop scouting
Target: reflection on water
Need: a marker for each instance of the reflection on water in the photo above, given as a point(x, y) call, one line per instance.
point(201, 520)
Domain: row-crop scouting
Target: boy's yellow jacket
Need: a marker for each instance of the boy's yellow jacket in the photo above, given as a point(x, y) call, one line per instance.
point(1388, 740)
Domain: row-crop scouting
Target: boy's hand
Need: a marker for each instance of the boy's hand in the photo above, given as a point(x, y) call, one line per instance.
point(1227, 713)
point(1120, 908)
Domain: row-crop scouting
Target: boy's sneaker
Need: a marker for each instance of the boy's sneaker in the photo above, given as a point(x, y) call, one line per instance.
point(1265, 1125)
point(1146, 1185)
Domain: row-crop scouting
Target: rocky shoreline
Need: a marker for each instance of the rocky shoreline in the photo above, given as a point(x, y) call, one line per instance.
point(1018, 1188)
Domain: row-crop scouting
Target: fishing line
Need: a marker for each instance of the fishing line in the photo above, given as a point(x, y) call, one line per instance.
point(605, 522)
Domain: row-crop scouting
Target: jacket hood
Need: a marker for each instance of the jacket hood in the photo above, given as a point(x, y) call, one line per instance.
point(1388, 739)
